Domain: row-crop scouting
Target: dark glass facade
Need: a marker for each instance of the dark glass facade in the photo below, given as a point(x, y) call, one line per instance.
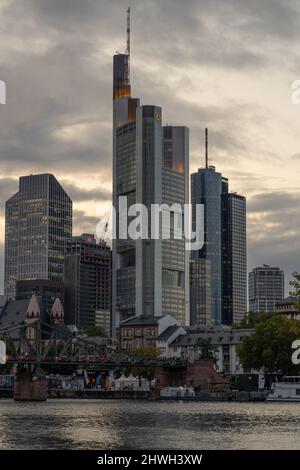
point(38, 220)
point(87, 279)
point(234, 263)
point(224, 244)
point(207, 190)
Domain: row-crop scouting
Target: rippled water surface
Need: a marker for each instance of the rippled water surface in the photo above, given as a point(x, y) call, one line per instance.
point(97, 424)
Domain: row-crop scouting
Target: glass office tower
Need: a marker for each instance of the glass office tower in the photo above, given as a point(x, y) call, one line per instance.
point(207, 190)
point(234, 276)
point(38, 220)
point(150, 166)
point(224, 244)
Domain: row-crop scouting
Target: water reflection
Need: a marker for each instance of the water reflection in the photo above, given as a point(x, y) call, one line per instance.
point(95, 424)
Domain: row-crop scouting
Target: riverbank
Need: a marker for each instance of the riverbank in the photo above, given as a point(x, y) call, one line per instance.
point(97, 394)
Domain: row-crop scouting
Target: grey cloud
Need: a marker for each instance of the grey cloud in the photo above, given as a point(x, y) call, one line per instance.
point(56, 61)
point(79, 194)
point(275, 202)
point(8, 187)
point(273, 231)
point(83, 223)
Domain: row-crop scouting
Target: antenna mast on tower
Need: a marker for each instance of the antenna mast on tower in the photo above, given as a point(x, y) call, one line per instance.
point(128, 41)
point(206, 147)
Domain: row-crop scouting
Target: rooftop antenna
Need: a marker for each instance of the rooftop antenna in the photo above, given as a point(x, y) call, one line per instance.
point(206, 147)
point(128, 41)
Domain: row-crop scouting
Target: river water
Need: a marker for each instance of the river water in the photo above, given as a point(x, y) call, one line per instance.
point(112, 424)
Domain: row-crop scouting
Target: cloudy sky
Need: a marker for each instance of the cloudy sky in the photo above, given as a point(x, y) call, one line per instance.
point(226, 65)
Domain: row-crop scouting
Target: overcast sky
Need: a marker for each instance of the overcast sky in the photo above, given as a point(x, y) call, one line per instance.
point(226, 65)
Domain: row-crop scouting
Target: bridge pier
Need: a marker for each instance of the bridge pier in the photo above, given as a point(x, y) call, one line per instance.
point(30, 386)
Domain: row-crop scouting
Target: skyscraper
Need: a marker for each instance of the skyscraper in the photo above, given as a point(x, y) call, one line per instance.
point(150, 166)
point(266, 288)
point(224, 243)
point(38, 220)
point(87, 279)
point(207, 190)
point(175, 190)
point(234, 263)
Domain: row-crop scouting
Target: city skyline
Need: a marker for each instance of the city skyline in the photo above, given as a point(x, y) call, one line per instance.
point(62, 125)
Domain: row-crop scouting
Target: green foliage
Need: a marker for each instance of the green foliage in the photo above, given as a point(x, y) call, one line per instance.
point(95, 331)
point(252, 319)
point(295, 284)
point(143, 356)
point(207, 350)
point(269, 347)
point(147, 353)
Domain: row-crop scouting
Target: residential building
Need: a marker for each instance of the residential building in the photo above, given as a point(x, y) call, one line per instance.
point(143, 332)
point(266, 288)
point(38, 220)
point(224, 339)
point(289, 307)
point(87, 280)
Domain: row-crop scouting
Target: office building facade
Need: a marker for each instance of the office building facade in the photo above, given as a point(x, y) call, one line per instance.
point(234, 262)
point(224, 244)
point(266, 288)
point(150, 166)
point(200, 292)
point(207, 190)
point(38, 220)
point(87, 279)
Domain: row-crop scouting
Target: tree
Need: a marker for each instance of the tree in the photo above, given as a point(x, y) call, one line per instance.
point(295, 284)
point(269, 347)
point(143, 356)
point(207, 350)
point(252, 319)
point(95, 331)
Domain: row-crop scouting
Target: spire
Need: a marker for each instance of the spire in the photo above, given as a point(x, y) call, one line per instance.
point(206, 147)
point(128, 42)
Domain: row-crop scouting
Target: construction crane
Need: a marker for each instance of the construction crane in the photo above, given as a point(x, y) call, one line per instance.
point(106, 219)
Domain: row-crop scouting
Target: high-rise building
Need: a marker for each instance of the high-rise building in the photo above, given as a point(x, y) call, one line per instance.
point(150, 166)
point(234, 262)
point(200, 292)
point(224, 243)
point(266, 288)
point(38, 220)
point(87, 279)
point(175, 191)
point(207, 190)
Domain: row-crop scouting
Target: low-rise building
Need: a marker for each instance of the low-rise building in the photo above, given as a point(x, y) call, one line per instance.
point(225, 340)
point(289, 307)
point(141, 332)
